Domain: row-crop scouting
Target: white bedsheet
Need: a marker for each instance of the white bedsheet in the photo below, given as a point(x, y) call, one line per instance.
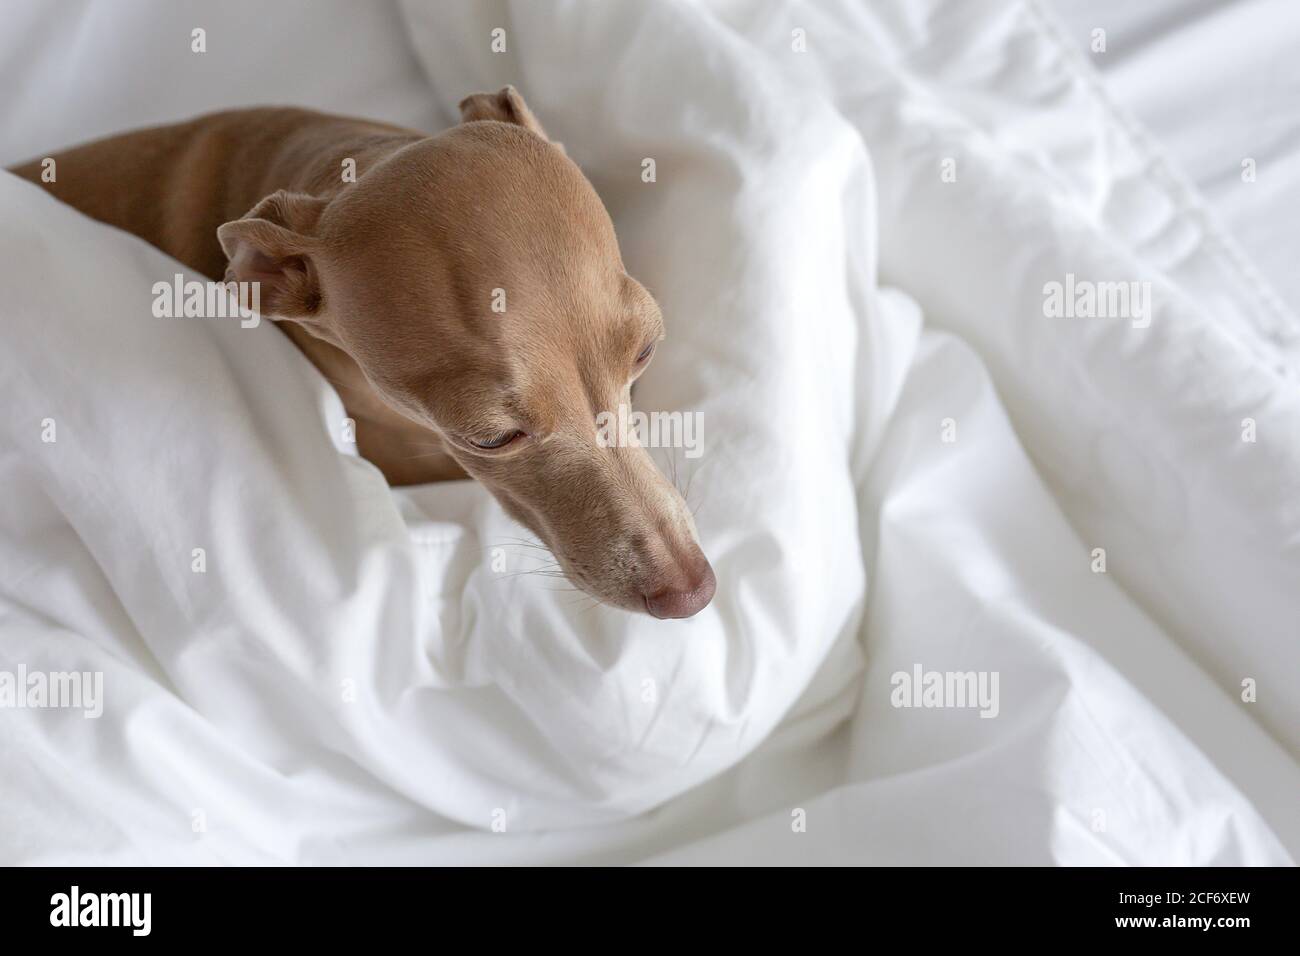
point(1215, 83)
point(350, 681)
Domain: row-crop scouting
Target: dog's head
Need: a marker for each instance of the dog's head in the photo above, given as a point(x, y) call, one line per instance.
point(476, 280)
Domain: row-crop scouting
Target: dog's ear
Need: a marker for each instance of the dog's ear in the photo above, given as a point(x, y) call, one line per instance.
point(506, 106)
point(273, 245)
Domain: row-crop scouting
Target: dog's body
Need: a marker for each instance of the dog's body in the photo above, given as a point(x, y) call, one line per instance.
point(388, 284)
point(175, 186)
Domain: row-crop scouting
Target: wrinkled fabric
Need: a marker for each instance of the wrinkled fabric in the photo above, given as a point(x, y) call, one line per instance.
point(907, 465)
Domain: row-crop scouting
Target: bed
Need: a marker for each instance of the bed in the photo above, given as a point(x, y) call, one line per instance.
point(1214, 85)
point(911, 468)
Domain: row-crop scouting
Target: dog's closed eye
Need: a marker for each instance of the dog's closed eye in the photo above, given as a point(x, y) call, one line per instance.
point(645, 354)
point(499, 441)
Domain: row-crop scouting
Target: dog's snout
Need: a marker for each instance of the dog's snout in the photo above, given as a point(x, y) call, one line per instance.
point(688, 595)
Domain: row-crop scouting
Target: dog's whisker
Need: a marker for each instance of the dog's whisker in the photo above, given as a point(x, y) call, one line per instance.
point(690, 481)
point(699, 467)
point(532, 541)
point(553, 569)
point(535, 551)
point(522, 544)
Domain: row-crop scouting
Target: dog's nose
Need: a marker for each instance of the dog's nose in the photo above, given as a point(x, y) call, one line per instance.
point(685, 598)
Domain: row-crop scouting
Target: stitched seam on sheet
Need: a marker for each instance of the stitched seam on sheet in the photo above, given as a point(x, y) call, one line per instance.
point(1183, 195)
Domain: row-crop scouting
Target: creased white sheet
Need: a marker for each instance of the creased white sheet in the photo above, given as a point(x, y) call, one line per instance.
point(350, 681)
point(1215, 84)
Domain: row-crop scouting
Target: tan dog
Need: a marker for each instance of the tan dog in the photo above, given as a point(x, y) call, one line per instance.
point(387, 284)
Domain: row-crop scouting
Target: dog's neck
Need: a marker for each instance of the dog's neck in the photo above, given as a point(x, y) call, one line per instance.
point(406, 452)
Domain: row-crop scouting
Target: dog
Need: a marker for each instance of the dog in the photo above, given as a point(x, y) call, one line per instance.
point(464, 292)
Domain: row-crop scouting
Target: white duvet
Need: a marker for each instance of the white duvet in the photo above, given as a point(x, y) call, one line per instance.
point(908, 468)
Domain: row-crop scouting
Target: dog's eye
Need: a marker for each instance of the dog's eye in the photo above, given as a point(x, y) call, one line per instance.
point(505, 438)
point(645, 354)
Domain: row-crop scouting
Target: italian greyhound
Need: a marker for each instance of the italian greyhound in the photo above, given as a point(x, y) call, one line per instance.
point(387, 282)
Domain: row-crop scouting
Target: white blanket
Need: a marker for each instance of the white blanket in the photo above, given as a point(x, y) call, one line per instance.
point(1216, 84)
point(908, 466)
